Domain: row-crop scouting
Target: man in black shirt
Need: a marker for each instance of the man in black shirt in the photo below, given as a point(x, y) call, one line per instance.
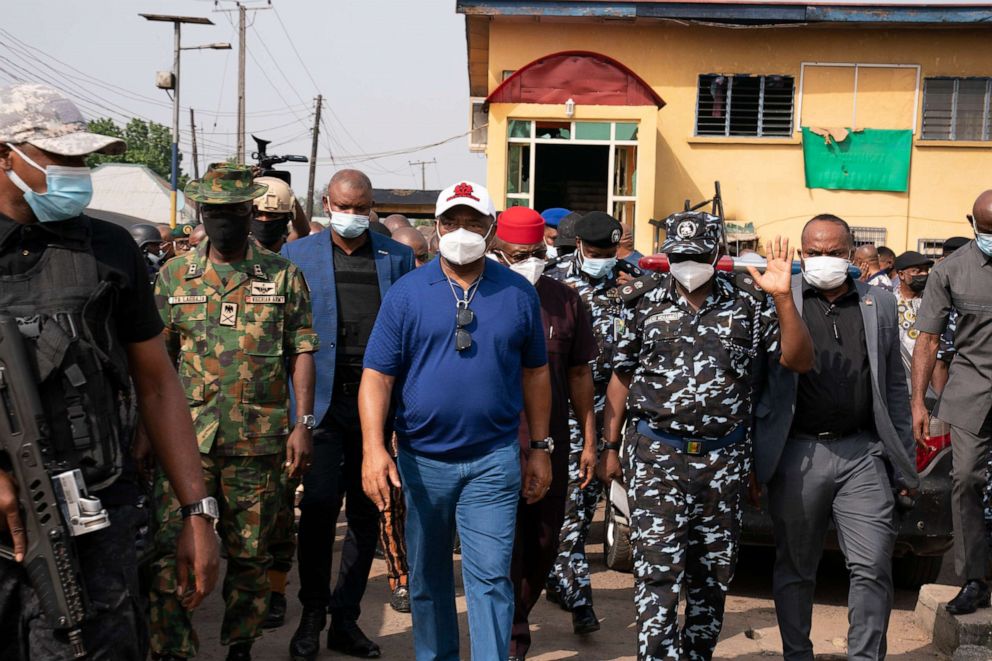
point(827, 441)
point(349, 270)
point(44, 186)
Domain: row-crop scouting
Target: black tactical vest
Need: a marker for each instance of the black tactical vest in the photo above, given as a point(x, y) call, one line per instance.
point(64, 307)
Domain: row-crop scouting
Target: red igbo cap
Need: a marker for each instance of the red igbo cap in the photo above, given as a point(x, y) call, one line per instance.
point(520, 225)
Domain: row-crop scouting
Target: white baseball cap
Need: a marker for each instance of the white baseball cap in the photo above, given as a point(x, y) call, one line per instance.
point(468, 194)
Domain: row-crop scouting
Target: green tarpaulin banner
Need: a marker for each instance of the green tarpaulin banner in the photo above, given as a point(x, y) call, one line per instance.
point(869, 159)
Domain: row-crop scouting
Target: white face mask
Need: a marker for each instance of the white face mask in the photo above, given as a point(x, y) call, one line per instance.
point(462, 246)
point(825, 272)
point(348, 225)
point(531, 268)
point(691, 275)
point(552, 252)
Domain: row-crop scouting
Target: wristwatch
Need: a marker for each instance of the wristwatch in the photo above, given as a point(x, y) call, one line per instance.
point(615, 446)
point(547, 444)
point(307, 421)
point(207, 508)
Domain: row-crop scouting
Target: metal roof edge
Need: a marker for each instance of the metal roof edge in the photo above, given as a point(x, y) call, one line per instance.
point(730, 10)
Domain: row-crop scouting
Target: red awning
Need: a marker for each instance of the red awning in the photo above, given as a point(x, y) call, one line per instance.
point(585, 77)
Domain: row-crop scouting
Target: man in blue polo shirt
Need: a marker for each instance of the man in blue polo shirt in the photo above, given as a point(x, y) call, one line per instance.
point(461, 342)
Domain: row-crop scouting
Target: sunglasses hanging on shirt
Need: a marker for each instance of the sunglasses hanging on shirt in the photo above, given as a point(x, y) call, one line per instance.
point(464, 316)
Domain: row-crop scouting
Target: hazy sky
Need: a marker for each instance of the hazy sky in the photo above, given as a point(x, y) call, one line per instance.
point(393, 74)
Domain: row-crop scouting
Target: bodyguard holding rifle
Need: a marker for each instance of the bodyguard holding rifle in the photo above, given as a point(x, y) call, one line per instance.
point(77, 293)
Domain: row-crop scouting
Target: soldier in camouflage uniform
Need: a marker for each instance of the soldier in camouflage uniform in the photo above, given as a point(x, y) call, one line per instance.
point(238, 325)
point(687, 365)
point(594, 272)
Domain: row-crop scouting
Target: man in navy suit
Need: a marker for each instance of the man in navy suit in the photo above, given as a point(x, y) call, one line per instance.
point(349, 270)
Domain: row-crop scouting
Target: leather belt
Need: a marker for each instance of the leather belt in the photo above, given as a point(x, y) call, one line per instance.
point(691, 446)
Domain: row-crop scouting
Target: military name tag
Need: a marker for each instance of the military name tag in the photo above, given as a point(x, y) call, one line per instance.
point(667, 316)
point(228, 314)
point(179, 300)
point(263, 288)
point(265, 299)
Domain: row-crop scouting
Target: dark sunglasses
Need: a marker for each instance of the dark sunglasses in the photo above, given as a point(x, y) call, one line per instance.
point(463, 317)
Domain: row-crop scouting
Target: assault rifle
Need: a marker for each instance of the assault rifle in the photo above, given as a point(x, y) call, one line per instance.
point(55, 507)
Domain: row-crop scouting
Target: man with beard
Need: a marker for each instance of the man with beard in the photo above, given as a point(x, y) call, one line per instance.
point(238, 326)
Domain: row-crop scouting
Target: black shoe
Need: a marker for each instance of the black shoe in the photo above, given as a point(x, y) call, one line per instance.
point(584, 620)
point(306, 641)
point(239, 652)
point(400, 600)
point(344, 636)
point(277, 611)
point(974, 595)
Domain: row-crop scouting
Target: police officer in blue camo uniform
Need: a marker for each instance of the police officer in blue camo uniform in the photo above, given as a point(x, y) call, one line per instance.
point(595, 273)
point(688, 367)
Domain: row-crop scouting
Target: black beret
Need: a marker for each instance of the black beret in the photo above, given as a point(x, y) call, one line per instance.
point(599, 229)
point(566, 231)
point(953, 243)
point(911, 258)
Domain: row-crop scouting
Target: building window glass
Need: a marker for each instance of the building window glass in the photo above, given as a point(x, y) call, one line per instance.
point(592, 130)
point(864, 236)
point(519, 129)
point(957, 109)
point(518, 169)
point(626, 131)
point(554, 130)
point(932, 248)
point(744, 106)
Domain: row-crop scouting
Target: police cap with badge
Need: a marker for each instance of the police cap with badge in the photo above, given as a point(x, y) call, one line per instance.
point(598, 229)
point(692, 233)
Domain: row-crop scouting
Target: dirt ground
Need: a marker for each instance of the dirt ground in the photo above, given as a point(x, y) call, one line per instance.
point(749, 632)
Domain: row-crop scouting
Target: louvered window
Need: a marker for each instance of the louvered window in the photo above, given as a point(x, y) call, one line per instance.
point(743, 105)
point(957, 109)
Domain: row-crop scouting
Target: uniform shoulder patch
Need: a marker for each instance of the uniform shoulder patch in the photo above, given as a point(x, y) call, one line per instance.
point(745, 283)
point(638, 287)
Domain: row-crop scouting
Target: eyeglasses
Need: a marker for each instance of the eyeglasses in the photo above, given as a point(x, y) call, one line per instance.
point(463, 317)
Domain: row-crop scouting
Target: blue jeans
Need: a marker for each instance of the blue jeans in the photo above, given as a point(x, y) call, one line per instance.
point(480, 496)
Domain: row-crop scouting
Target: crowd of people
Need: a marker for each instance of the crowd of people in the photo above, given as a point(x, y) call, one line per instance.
point(473, 383)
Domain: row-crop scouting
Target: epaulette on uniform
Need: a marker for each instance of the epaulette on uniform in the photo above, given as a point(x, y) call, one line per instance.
point(555, 263)
point(745, 283)
point(638, 287)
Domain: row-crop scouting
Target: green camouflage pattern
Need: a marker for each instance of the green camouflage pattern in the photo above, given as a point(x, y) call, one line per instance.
point(282, 542)
point(247, 493)
point(231, 343)
point(225, 184)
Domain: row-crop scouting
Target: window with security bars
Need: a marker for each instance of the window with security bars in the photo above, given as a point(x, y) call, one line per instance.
point(864, 236)
point(957, 109)
point(932, 248)
point(744, 105)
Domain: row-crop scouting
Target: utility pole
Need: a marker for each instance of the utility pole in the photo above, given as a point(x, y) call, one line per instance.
point(241, 82)
point(313, 157)
point(172, 83)
point(196, 156)
point(423, 173)
point(242, 50)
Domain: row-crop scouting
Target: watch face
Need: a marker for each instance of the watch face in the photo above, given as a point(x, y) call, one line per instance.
point(210, 507)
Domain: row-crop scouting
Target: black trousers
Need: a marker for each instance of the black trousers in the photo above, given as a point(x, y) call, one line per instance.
point(336, 476)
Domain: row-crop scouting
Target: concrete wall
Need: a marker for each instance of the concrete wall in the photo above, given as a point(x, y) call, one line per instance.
point(763, 178)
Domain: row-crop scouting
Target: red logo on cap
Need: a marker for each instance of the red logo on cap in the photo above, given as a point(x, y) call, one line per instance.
point(463, 190)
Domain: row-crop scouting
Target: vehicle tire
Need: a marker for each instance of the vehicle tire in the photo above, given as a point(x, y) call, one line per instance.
point(911, 571)
point(618, 553)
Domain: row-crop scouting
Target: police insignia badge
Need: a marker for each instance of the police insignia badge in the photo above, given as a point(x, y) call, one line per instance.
point(686, 229)
point(228, 314)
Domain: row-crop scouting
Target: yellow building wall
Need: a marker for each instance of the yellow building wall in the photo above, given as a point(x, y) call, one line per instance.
point(762, 179)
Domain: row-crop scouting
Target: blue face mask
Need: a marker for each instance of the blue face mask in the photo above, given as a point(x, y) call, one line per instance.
point(348, 225)
point(597, 267)
point(983, 241)
point(70, 189)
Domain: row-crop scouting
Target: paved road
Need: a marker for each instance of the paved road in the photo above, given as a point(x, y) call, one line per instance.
point(750, 631)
